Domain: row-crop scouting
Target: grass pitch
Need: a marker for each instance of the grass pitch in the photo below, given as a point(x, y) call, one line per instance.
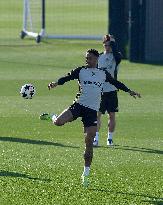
point(42, 164)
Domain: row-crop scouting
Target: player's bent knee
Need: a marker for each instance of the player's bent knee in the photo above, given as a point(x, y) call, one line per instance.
point(89, 141)
point(112, 116)
point(91, 133)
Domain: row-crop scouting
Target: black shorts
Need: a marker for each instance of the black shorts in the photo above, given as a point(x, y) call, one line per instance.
point(89, 116)
point(109, 102)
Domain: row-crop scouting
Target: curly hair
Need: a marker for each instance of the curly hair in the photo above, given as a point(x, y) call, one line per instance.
point(94, 52)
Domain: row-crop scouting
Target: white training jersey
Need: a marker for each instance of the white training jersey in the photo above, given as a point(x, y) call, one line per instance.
point(107, 62)
point(91, 84)
point(91, 81)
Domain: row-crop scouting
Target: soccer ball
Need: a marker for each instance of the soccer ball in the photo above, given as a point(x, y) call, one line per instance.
point(27, 91)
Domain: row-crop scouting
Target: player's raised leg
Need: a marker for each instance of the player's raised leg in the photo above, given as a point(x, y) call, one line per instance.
point(64, 117)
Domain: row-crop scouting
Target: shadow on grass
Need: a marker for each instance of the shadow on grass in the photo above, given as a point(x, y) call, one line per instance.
point(155, 202)
point(135, 149)
point(19, 175)
point(37, 142)
point(151, 199)
point(139, 149)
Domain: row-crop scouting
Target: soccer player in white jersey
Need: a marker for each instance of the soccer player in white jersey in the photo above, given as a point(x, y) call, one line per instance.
point(87, 103)
point(109, 60)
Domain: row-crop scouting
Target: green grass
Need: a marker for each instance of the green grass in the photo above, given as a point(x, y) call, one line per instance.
point(91, 18)
point(41, 163)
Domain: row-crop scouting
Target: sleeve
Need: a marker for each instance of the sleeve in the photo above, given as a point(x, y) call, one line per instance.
point(74, 74)
point(116, 83)
point(117, 55)
point(116, 72)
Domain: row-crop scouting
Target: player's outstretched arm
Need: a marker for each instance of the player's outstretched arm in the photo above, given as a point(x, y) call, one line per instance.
point(134, 94)
point(52, 85)
point(74, 74)
point(120, 85)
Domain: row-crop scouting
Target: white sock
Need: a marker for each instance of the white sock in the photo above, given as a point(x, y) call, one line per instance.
point(86, 171)
point(97, 136)
point(110, 135)
point(54, 117)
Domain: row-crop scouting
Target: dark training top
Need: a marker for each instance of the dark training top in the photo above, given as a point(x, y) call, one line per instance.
point(91, 81)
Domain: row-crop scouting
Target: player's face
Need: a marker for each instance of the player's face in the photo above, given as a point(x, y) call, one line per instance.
point(91, 60)
point(107, 47)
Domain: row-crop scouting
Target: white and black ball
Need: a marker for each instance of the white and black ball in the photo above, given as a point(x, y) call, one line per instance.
point(27, 91)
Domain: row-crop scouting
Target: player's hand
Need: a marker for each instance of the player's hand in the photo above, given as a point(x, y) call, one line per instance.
point(134, 94)
point(52, 85)
point(112, 38)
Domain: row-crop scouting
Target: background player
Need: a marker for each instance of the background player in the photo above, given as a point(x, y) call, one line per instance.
point(109, 60)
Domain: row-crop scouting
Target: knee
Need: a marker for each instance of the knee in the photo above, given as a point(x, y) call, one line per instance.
point(90, 134)
point(89, 139)
point(112, 116)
